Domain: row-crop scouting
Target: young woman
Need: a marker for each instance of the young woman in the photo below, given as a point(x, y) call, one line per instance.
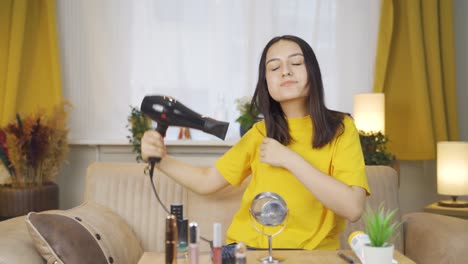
point(309, 155)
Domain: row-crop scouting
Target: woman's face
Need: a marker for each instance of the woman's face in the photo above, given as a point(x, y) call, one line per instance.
point(286, 73)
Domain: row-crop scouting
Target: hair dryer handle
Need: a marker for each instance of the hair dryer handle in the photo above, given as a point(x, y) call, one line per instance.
point(161, 129)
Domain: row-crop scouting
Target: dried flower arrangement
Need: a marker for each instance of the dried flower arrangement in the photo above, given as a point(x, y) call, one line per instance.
point(34, 147)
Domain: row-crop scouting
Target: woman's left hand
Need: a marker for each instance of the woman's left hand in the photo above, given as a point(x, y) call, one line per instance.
point(274, 153)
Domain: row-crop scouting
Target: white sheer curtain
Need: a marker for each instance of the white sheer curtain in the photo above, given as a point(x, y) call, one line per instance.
point(204, 53)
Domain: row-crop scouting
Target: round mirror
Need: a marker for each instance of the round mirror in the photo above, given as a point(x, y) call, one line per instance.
point(269, 209)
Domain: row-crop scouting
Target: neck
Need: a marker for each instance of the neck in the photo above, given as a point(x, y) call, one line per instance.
point(294, 108)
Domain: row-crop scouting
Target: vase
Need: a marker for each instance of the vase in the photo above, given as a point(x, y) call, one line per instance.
point(17, 201)
point(242, 130)
point(378, 255)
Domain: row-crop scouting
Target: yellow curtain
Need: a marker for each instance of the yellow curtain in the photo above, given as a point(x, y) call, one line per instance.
point(29, 57)
point(415, 68)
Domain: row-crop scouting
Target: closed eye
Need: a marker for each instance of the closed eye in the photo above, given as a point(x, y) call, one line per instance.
point(274, 69)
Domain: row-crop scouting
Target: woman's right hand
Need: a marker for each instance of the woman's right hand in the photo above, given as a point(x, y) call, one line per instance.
point(152, 145)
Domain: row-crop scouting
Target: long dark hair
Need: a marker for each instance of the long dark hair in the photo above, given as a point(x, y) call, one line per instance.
point(326, 123)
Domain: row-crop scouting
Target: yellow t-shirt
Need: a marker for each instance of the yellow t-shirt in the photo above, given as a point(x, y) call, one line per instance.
point(309, 224)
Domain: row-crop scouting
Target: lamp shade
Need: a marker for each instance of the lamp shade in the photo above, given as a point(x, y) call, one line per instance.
point(369, 112)
point(452, 168)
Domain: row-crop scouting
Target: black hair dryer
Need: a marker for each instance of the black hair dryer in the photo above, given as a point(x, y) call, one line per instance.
point(166, 111)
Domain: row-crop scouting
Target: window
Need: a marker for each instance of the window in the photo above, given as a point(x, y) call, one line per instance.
point(203, 53)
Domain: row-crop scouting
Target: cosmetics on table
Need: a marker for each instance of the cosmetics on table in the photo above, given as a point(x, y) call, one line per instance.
point(182, 229)
point(241, 253)
point(194, 234)
point(171, 239)
point(217, 244)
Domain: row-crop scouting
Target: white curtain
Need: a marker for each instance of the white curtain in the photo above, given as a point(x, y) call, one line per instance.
point(204, 53)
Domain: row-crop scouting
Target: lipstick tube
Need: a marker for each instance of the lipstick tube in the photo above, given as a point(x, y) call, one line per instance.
point(193, 243)
point(217, 244)
point(171, 239)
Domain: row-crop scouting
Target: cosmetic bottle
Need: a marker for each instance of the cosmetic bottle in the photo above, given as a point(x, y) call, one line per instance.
point(171, 239)
point(182, 239)
point(194, 234)
point(182, 230)
point(217, 244)
point(241, 253)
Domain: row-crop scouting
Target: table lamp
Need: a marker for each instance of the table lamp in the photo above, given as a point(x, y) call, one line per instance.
point(369, 112)
point(369, 118)
point(452, 172)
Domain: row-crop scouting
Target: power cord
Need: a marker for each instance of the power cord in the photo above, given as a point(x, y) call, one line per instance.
point(150, 171)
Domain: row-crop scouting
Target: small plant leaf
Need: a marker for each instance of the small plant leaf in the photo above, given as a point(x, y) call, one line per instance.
point(379, 226)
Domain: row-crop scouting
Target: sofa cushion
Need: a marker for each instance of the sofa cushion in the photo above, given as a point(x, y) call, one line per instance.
point(90, 233)
point(432, 238)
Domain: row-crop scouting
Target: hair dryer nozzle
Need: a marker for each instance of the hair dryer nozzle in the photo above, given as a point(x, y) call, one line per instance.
point(216, 128)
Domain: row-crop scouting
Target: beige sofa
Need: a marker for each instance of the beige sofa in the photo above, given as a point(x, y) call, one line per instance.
point(125, 189)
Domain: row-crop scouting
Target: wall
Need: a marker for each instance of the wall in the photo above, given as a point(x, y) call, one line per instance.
point(417, 178)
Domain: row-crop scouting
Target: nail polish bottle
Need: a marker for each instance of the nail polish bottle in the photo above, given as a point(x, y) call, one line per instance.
point(194, 234)
point(217, 244)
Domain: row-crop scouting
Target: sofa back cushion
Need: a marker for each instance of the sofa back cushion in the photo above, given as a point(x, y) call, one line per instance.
point(126, 189)
point(383, 184)
point(218, 207)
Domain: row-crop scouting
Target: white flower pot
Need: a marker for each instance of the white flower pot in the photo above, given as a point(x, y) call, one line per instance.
point(378, 255)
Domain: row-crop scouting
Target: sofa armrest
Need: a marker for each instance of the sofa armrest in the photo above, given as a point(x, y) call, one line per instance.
point(16, 245)
point(431, 238)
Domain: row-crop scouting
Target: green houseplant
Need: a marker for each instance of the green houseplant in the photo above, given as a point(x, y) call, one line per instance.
point(249, 114)
point(137, 124)
point(32, 149)
point(374, 148)
point(380, 227)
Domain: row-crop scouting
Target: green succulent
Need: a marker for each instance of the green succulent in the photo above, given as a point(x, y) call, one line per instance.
point(378, 225)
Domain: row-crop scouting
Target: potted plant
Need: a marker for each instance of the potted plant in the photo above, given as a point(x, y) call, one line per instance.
point(374, 148)
point(137, 124)
point(32, 149)
point(249, 113)
point(380, 228)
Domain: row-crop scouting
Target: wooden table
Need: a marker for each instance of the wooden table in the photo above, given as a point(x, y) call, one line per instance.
point(435, 208)
point(290, 256)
